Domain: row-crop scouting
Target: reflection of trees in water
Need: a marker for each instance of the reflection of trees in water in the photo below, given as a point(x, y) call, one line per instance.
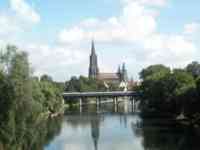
point(165, 137)
point(33, 136)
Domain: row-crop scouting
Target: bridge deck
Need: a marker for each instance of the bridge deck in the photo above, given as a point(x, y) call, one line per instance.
point(100, 94)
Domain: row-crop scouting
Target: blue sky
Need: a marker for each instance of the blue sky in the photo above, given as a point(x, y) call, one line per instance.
point(57, 34)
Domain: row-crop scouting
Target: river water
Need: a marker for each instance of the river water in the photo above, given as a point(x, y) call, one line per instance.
point(104, 129)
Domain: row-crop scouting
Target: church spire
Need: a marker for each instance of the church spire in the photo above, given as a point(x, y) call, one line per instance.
point(124, 73)
point(93, 67)
point(93, 47)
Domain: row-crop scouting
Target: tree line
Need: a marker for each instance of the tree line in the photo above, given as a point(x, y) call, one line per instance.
point(172, 91)
point(24, 99)
point(85, 84)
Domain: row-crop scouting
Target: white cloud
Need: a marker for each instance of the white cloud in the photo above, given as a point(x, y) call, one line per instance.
point(56, 61)
point(172, 50)
point(134, 24)
point(192, 28)
point(24, 11)
point(159, 3)
point(8, 25)
point(14, 24)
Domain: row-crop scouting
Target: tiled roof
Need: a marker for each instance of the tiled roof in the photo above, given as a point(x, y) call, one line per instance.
point(108, 76)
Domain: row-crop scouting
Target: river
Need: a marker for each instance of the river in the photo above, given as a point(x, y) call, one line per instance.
point(109, 130)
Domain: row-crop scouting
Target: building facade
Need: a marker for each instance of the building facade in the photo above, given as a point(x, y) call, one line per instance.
point(117, 77)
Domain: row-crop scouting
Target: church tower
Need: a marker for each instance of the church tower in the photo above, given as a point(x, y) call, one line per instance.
point(124, 73)
point(93, 67)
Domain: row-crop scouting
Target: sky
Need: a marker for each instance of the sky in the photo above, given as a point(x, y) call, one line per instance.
point(57, 34)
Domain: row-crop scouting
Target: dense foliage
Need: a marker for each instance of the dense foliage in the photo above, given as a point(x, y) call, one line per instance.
point(84, 84)
point(23, 98)
point(171, 91)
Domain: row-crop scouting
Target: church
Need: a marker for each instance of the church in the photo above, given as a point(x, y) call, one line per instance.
point(118, 77)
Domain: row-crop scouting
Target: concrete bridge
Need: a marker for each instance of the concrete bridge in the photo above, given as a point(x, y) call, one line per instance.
point(98, 96)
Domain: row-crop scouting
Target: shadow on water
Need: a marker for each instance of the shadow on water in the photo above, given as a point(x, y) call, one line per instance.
point(165, 137)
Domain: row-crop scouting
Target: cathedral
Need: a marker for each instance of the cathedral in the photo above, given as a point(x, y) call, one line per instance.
point(118, 77)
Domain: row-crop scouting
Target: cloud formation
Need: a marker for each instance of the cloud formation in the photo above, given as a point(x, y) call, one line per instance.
point(192, 28)
point(135, 23)
point(24, 11)
point(137, 27)
point(133, 36)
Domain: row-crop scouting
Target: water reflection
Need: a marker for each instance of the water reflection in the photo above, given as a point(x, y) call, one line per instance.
point(95, 130)
point(29, 135)
point(160, 134)
point(116, 131)
point(102, 130)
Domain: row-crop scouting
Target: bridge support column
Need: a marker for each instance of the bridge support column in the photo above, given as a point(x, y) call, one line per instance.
point(98, 102)
point(133, 104)
point(116, 104)
point(80, 104)
point(126, 104)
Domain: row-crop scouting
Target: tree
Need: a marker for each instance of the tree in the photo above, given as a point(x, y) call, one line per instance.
point(83, 84)
point(154, 71)
point(5, 97)
point(22, 99)
point(184, 81)
point(46, 78)
point(151, 85)
point(6, 57)
point(194, 68)
point(20, 78)
point(19, 75)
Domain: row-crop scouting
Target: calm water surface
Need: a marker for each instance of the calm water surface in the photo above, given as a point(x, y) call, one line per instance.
point(106, 130)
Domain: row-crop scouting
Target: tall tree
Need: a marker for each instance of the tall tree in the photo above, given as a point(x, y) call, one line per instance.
point(6, 56)
point(46, 78)
point(20, 77)
point(194, 68)
point(154, 71)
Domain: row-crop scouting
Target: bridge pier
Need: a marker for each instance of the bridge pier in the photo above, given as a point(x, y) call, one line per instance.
point(115, 104)
point(132, 108)
point(98, 103)
point(133, 104)
point(116, 101)
point(80, 104)
point(126, 104)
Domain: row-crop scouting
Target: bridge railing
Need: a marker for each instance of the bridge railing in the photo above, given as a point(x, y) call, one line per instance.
point(100, 94)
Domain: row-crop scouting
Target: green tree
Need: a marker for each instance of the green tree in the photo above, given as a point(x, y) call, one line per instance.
point(154, 72)
point(46, 78)
point(194, 68)
point(19, 76)
point(152, 87)
point(6, 56)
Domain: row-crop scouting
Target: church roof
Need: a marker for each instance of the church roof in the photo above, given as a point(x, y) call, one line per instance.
point(108, 76)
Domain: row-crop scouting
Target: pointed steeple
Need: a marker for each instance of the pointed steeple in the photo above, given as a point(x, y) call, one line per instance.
point(93, 67)
point(93, 47)
point(119, 69)
point(119, 72)
point(124, 73)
